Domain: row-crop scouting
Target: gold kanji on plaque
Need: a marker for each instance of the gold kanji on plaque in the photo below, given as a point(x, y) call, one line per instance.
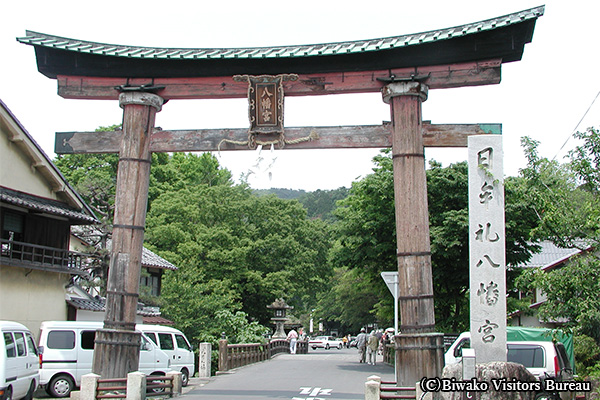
point(265, 104)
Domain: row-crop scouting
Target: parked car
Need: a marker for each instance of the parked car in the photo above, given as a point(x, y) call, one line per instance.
point(19, 367)
point(544, 358)
point(325, 342)
point(67, 349)
point(174, 343)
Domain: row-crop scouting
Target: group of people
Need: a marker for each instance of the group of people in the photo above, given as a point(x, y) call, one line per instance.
point(369, 345)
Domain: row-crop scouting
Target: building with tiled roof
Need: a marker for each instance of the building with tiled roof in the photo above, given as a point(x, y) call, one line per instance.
point(82, 306)
point(38, 207)
point(549, 257)
point(88, 305)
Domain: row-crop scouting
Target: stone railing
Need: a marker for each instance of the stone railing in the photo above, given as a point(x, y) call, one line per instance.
point(238, 355)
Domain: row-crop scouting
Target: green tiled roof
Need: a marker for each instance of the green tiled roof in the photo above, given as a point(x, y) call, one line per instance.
point(361, 46)
point(501, 38)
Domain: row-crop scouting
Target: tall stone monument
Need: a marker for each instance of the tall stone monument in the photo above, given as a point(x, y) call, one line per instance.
point(487, 248)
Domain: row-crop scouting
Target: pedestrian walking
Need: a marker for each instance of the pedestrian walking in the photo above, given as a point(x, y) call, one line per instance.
point(292, 337)
point(361, 344)
point(372, 346)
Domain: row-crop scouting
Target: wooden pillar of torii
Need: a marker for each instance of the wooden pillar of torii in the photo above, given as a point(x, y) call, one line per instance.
point(417, 344)
point(118, 340)
point(402, 67)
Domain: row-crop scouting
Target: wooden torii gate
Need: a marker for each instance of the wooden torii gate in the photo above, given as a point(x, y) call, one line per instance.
point(402, 68)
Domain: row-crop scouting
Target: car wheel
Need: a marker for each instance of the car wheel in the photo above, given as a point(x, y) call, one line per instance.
point(8, 394)
point(29, 395)
point(60, 386)
point(339, 346)
point(314, 347)
point(327, 346)
point(156, 390)
point(185, 377)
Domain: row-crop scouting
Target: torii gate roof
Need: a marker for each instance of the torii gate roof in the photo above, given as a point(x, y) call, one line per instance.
point(497, 38)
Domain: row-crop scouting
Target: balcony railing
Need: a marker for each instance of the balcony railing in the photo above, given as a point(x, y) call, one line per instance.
point(29, 255)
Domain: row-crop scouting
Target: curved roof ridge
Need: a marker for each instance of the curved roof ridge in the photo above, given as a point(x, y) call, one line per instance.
point(356, 46)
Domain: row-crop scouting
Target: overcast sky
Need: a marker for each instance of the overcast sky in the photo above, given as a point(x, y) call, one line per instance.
point(543, 96)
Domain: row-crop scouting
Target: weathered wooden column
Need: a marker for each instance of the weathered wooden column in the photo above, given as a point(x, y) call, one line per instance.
point(117, 345)
point(419, 351)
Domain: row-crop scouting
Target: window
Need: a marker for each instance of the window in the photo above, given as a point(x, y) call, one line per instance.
point(12, 226)
point(151, 281)
point(166, 341)
point(20, 341)
point(182, 343)
point(31, 347)
point(529, 356)
point(152, 337)
point(61, 340)
point(10, 345)
point(87, 340)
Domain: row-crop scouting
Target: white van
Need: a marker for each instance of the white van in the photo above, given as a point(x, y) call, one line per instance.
point(19, 365)
point(67, 350)
point(173, 342)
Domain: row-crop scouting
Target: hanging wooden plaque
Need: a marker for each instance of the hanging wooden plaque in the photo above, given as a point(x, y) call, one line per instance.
point(265, 102)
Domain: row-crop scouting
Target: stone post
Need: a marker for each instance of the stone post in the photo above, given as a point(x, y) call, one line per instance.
point(419, 351)
point(177, 382)
point(117, 346)
point(89, 385)
point(136, 386)
point(204, 360)
point(373, 390)
point(223, 360)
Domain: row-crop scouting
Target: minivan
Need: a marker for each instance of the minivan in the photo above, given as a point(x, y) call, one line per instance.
point(174, 343)
point(67, 350)
point(19, 369)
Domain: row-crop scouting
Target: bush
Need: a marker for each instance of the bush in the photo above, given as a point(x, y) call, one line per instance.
point(587, 356)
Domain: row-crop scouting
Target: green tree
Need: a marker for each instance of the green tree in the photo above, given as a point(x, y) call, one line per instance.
point(262, 247)
point(321, 203)
point(567, 203)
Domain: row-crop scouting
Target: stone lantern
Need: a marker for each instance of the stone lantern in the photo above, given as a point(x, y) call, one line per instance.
point(279, 308)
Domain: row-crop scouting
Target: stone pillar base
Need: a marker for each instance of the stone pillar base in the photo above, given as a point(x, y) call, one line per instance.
point(418, 356)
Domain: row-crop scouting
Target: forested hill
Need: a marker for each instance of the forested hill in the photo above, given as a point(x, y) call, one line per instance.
point(318, 204)
point(285, 194)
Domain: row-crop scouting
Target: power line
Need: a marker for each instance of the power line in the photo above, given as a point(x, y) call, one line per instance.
point(576, 127)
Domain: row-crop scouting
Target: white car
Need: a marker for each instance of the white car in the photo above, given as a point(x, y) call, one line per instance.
point(325, 342)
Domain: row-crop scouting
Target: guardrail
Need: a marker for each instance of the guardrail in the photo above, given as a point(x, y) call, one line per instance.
point(238, 355)
point(136, 386)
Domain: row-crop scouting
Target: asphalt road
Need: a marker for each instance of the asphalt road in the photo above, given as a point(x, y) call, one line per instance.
point(320, 375)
